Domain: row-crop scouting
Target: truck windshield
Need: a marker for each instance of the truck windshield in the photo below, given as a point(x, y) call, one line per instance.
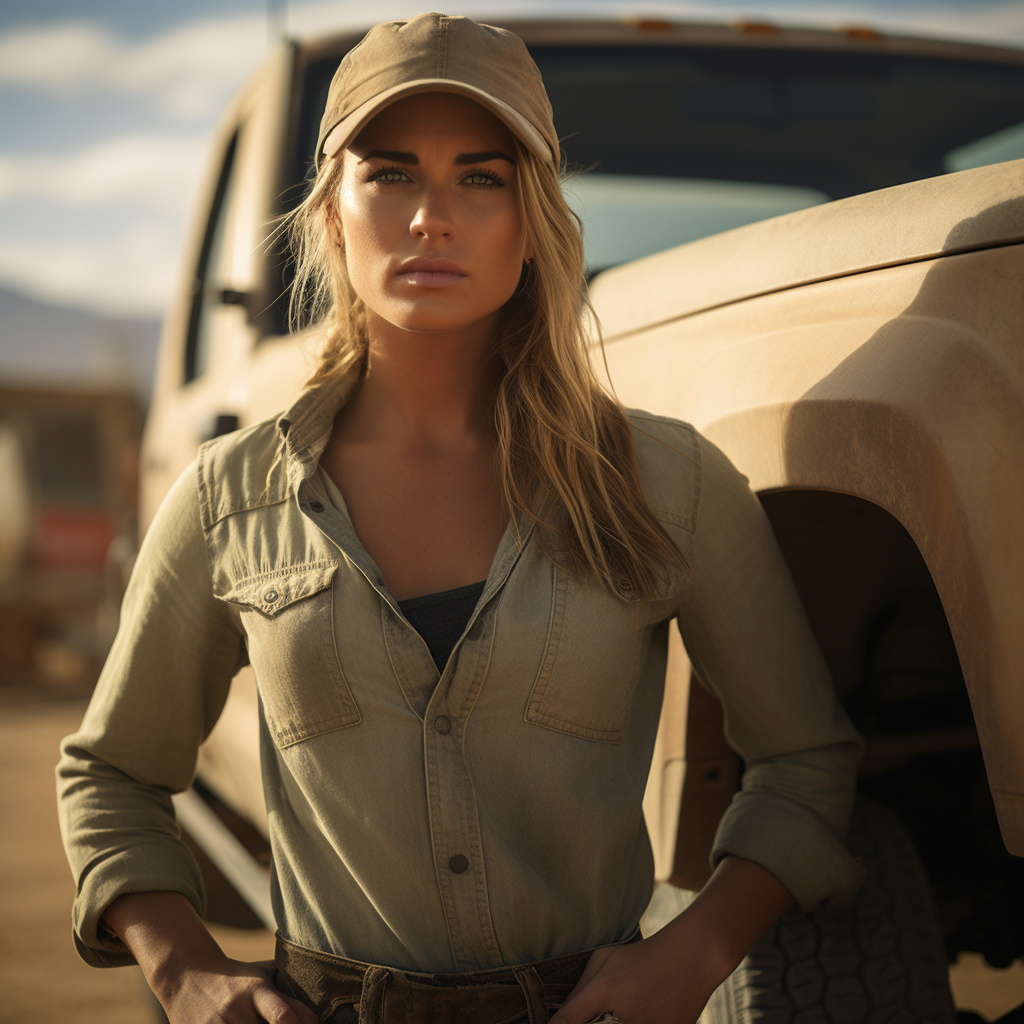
point(669, 143)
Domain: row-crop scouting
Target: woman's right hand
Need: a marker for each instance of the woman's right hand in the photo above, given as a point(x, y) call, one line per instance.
point(230, 992)
point(189, 973)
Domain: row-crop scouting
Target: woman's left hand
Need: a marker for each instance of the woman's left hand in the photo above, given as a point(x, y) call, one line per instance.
point(661, 980)
point(668, 978)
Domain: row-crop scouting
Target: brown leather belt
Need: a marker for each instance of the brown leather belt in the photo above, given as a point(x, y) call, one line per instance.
point(384, 995)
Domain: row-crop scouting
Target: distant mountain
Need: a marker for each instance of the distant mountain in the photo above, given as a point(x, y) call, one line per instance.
point(44, 344)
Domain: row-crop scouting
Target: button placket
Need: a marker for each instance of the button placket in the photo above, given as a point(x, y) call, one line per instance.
point(413, 668)
point(454, 817)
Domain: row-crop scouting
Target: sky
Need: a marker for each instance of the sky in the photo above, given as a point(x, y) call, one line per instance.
point(107, 106)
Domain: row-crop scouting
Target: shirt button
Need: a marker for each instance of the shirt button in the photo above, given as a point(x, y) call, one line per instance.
point(443, 725)
point(271, 596)
point(624, 585)
point(315, 506)
point(459, 864)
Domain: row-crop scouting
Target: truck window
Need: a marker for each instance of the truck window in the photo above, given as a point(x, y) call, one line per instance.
point(207, 285)
point(673, 142)
point(1006, 144)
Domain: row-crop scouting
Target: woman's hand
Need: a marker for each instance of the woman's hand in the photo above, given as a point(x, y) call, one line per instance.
point(668, 978)
point(231, 992)
point(189, 973)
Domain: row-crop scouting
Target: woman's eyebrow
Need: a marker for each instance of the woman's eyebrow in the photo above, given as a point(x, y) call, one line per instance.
point(482, 158)
point(393, 154)
point(463, 158)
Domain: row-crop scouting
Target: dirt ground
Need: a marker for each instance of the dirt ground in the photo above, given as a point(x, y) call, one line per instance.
point(41, 976)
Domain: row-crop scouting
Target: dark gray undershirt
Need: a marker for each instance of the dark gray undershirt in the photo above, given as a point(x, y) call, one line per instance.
point(440, 618)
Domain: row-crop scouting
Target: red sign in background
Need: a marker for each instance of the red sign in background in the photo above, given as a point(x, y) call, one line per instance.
point(71, 538)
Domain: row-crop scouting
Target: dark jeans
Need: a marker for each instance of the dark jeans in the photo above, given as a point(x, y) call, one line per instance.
point(347, 1014)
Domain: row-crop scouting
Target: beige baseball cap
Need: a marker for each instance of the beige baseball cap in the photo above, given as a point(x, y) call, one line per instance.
point(438, 53)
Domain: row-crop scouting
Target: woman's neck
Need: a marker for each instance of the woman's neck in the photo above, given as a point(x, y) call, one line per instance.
point(427, 388)
point(413, 455)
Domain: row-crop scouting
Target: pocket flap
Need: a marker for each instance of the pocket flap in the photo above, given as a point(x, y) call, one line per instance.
point(271, 592)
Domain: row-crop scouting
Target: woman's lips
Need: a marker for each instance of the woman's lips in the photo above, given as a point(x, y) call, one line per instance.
point(431, 278)
point(431, 273)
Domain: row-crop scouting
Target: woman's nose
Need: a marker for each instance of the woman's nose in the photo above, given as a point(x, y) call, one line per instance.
point(433, 218)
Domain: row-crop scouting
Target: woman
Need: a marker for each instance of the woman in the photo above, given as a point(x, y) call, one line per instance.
point(452, 564)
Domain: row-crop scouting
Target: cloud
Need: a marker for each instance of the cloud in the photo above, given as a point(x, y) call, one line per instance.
point(154, 172)
point(109, 221)
point(122, 271)
point(190, 70)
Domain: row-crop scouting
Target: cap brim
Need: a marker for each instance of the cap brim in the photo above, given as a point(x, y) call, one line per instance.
point(349, 127)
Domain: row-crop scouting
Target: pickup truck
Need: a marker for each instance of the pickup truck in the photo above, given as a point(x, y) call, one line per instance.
point(809, 244)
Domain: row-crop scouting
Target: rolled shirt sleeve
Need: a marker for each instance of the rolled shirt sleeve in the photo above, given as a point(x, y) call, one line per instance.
point(159, 694)
point(748, 638)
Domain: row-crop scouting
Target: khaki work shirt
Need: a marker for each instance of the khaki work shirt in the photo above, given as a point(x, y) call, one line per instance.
point(483, 816)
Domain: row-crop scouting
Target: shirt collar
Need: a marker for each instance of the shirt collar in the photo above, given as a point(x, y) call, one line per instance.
point(305, 428)
point(306, 425)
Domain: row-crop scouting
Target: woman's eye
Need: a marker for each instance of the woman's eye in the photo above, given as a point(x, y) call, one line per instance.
point(484, 178)
point(477, 179)
point(389, 174)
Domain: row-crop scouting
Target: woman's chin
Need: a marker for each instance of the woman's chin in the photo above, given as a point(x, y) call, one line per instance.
point(438, 321)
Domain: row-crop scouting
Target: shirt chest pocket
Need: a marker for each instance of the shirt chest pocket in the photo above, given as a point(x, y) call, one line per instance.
point(288, 617)
point(591, 664)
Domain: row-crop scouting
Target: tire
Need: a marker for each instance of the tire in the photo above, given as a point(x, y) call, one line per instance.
point(880, 961)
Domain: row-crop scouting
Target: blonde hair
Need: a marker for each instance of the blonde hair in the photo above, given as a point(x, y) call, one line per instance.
point(559, 433)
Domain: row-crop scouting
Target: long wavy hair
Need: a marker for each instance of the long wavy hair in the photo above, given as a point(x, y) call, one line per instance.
point(561, 438)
